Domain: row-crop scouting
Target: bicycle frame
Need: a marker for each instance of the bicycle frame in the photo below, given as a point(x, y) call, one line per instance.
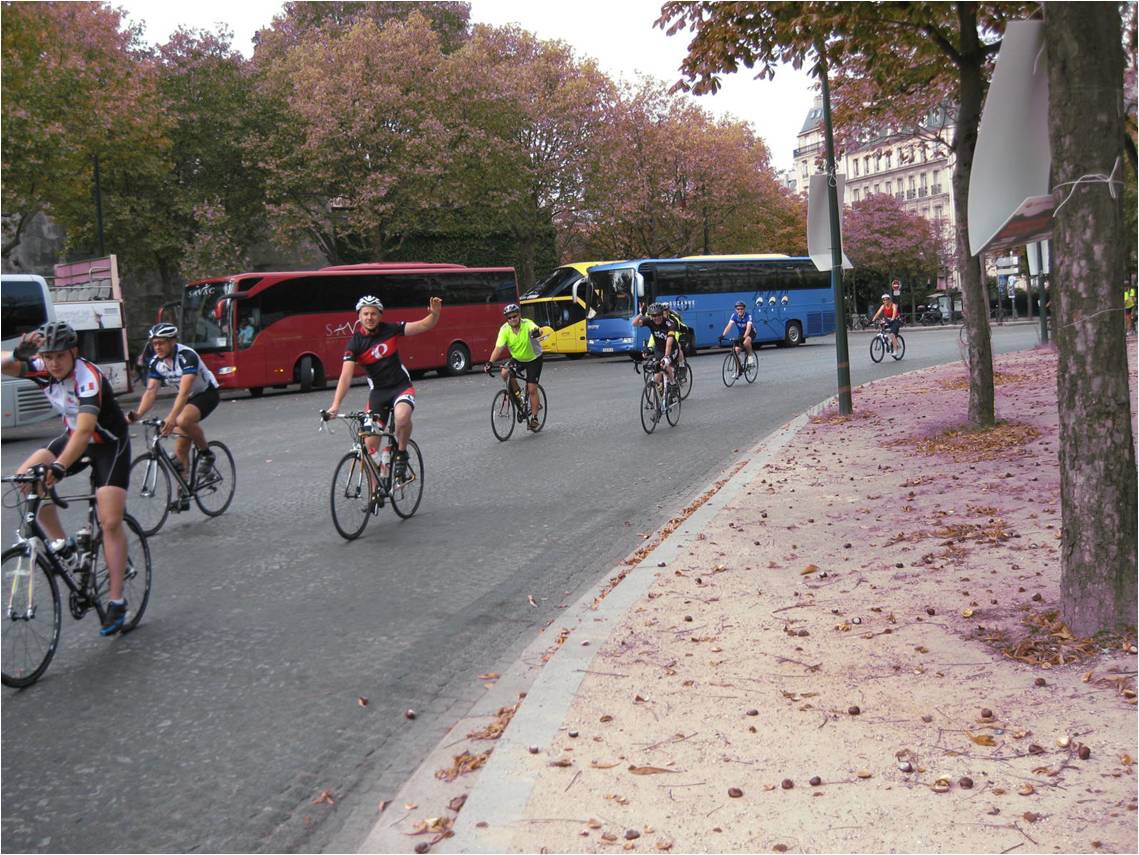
point(380, 482)
point(166, 459)
point(514, 383)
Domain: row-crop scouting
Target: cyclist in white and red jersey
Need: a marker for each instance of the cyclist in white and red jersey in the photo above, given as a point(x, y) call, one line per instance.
point(95, 433)
point(375, 345)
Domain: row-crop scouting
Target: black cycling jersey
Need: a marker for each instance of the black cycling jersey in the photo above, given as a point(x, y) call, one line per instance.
point(659, 332)
point(378, 352)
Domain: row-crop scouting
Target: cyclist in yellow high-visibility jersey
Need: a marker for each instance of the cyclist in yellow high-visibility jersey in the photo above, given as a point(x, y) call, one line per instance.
point(522, 338)
point(1129, 310)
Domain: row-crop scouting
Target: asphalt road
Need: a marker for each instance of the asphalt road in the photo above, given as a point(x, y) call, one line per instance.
point(218, 724)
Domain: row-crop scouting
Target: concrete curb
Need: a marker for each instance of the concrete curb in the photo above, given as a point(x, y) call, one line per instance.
point(498, 796)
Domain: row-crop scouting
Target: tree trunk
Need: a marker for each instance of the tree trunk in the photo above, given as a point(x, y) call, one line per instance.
point(974, 294)
point(1097, 454)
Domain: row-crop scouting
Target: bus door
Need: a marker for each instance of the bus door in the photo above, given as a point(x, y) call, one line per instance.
point(761, 315)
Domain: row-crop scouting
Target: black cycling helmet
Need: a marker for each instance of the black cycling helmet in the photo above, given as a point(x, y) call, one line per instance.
point(57, 335)
point(163, 330)
point(740, 304)
point(369, 300)
point(512, 309)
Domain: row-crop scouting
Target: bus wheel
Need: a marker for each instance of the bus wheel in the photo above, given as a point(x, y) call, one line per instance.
point(458, 359)
point(310, 374)
point(794, 335)
point(256, 391)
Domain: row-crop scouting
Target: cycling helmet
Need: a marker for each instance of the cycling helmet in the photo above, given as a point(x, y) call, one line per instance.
point(887, 297)
point(741, 304)
point(656, 309)
point(163, 330)
point(512, 309)
point(57, 335)
point(369, 300)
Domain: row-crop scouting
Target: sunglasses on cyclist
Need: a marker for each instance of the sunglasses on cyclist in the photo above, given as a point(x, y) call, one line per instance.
point(512, 317)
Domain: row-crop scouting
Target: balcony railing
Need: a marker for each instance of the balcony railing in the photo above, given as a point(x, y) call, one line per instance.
point(923, 191)
point(936, 190)
point(910, 194)
point(808, 149)
point(899, 195)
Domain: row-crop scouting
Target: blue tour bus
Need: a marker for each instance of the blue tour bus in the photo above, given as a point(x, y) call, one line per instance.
point(788, 297)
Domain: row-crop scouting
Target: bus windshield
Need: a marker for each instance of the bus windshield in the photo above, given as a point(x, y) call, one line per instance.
point(557, 284)
point(205, 319)
point(614, 292)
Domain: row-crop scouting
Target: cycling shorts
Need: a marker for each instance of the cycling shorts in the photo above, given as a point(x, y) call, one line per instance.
point(206, 401)
point(529, 371)
point(895, 325)
point(384, 399)
point(110, 462)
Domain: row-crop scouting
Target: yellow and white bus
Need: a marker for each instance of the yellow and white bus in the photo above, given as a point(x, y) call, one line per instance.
point(560, 304)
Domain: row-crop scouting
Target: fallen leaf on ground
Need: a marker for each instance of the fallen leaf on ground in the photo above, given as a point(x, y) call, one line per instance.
point(325, 798)
point(530, 600)
point(981, 738)
point(810, 568)
point(597, 764)
point(493, 675)
point(649, 770)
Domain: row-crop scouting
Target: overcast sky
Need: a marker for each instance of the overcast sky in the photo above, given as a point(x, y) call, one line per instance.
point(619, 34)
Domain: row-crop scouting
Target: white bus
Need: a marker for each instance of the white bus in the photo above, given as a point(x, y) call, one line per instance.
point(25, 303)
point(87, 295)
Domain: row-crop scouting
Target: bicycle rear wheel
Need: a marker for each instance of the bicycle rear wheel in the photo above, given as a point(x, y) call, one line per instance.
point(406, 494)
point(136, 577)
point(31, 617)
point(900, 350)
point(751, 366)
point(351, 496)
point(730, 370)
point(149, 495)
point(650, 407)
point(502, 416)
point(684, 379)
point(214, 489)
point(877, 348)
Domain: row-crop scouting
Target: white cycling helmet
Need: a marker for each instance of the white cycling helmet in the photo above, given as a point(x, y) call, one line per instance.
point(369, 300)
point(887, 297)
point(163, 330)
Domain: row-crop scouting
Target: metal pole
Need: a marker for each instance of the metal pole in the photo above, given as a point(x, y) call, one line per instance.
point(1040, 294)
point(99, 208)
point(842, 351)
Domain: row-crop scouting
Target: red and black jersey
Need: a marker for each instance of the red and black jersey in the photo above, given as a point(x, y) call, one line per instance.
point(378, 353)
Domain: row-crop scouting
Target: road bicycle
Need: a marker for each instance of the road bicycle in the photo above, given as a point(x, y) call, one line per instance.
point(734, 368)
point(511, 405)
point(880, 345)
point(362, 483)
point(31, 572)
point(154, 472)
point(659, 398)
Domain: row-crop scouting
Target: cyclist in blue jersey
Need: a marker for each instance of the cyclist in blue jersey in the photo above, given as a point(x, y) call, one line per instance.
point(744, 329)
point(176, 365)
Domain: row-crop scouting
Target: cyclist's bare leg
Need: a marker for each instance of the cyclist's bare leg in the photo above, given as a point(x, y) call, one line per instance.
point(402, 424)
point(110, 503)
point(532, 392)
point(190, 424)
point(668, 348)
point(49, 516)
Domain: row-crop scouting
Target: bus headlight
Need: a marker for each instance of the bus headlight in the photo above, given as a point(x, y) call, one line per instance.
point(227, 369)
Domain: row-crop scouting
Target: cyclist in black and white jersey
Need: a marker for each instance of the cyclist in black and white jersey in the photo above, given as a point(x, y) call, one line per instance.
point(175, 364)
point(95, 433)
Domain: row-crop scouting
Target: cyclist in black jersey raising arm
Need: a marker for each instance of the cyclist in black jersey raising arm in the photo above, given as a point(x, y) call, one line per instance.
point(95, 429)
point(175, 364)
point(375, 345)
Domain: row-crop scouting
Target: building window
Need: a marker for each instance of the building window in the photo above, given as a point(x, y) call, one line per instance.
point(855, 166)
point(938, 214)
point(866, 164)
point(889, 187)
point(924, 154)
point(889, 161)
point(856, 195)
point(875, 188)
point(924, 180)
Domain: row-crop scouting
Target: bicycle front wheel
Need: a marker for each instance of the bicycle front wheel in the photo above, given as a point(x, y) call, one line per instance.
point(684, 379)
point(407, 493)
point(877, 348)
point(31, 617)
point(650, 408)
point(751, 366)
point(136, 575)
point(214, 489)
point(502, 416)
point(672, 405)
point(351, 496)
point(730, 370)
point(900, 350)
point(541, 414)
point(149, 495)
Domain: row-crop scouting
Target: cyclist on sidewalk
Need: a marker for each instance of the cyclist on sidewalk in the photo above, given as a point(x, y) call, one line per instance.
point(745, 330)
point(522, 338)
point(375, 345)
point(663, 337)
point(175, 364)
point(891, 316)
point(96, 433)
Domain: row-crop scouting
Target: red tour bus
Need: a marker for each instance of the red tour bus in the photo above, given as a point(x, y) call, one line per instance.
point(273, 329)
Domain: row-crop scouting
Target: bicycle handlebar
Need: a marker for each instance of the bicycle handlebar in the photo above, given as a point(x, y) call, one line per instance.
point(36, 475)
